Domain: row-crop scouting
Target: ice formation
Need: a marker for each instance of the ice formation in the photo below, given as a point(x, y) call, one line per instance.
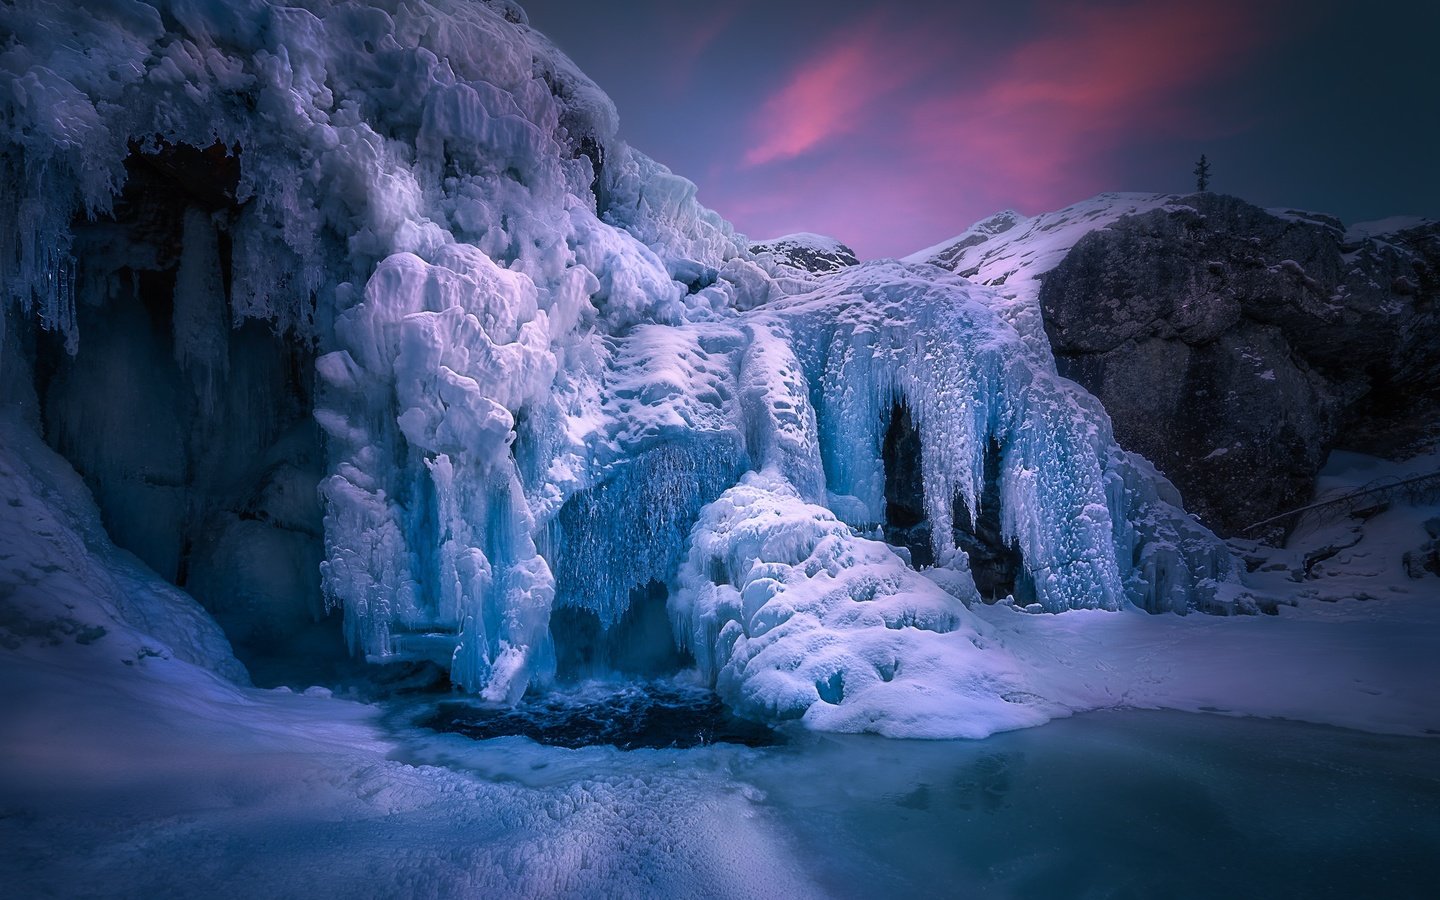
point(549, 380)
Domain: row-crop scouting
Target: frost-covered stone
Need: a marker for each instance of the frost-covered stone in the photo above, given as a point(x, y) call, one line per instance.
point(811, 252)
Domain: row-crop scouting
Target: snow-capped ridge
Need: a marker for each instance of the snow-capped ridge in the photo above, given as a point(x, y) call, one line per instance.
point(805, 250)
point(1363, 231)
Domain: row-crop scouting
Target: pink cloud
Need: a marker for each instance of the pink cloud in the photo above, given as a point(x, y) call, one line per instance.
point(693, 36)
point(938, 135)
point(1102, 78)
point(827, 96)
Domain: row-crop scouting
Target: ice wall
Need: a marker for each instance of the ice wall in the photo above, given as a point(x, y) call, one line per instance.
point(541, 368)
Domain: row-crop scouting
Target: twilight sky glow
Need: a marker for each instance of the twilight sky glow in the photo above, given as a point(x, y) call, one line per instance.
point(895, 125)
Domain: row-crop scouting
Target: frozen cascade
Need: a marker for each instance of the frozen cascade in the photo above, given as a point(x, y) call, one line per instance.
point(546, 377)
point(632, 528)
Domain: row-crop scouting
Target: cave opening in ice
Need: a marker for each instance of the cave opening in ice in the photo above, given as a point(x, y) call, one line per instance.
point(905, 522)
point(996, 562)
point(641, 644)
point(194, 431)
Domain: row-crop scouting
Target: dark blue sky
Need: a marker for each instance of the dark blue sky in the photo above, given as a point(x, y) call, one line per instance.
point(895, 125)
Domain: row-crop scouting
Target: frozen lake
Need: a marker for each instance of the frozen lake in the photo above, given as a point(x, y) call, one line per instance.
point(1106, 804)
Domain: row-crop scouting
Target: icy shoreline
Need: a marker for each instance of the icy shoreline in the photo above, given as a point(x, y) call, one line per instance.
point(182, 791)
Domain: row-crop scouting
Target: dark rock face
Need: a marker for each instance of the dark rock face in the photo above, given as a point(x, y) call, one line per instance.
point(811, 252)
point(1235, 348)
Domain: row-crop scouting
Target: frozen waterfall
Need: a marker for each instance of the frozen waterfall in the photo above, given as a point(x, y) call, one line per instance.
point(394, 256)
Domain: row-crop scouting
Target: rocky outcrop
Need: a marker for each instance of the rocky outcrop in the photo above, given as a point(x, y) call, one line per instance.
point(1235, 347)
point(811, 252)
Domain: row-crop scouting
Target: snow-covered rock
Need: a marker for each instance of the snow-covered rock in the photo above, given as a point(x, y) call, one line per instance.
point(1233, 346)
point(812, 252)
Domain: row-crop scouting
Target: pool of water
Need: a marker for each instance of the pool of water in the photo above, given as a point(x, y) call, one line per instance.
point(661, 715)
point(1115, 804)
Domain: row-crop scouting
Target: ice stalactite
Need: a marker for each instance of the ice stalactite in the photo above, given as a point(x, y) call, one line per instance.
point(881, 336)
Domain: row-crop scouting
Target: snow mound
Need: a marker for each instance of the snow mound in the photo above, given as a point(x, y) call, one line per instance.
point(793, 616)
point(64, 588)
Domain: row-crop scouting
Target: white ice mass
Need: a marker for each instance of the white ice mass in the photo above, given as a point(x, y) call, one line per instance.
point(543, 370)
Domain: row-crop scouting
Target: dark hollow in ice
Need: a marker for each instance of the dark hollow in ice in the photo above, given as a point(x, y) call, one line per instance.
point(995, 560)
point(631, 718)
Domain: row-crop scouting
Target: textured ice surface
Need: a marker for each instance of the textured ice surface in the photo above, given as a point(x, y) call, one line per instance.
point(792, 616)
point(542, 367)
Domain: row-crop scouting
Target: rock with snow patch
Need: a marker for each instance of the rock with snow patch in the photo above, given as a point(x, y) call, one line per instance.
point(810, 252)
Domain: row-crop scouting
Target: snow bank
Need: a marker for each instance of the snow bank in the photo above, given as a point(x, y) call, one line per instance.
point(791, 616)
point(66, 591)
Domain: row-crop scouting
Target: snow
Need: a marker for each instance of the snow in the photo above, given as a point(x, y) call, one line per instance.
point(156, 786)
point(1011, 252)
point(795, 259)
point(1362, 231)
point(804, 240)
point(1306, 217)
point(792, 616)
point(64, 587)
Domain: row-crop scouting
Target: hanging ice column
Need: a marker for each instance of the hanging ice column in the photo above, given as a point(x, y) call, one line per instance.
point(883, 334)
point(427, 525)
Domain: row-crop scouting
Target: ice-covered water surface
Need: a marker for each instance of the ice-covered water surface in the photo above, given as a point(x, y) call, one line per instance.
point(1121, 804)
point(1118, 803)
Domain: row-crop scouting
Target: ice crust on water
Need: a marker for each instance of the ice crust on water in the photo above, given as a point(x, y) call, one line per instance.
point(543, 369)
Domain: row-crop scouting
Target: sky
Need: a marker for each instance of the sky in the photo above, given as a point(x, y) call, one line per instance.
point(893, 126)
